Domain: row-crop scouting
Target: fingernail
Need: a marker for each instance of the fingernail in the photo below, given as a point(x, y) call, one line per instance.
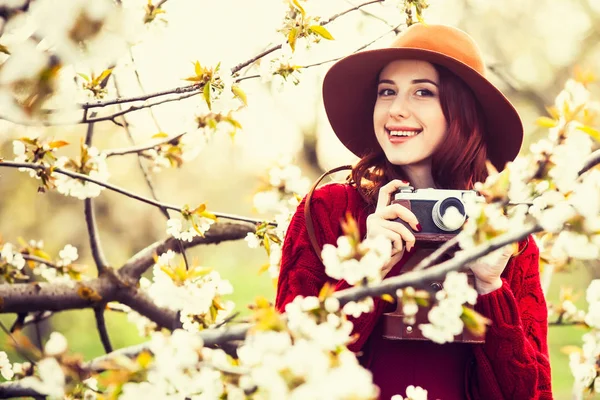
point(419, 228)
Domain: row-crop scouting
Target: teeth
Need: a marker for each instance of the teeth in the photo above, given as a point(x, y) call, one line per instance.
point(404, 133)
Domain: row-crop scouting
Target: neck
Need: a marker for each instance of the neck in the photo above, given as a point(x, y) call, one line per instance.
point(419, 176)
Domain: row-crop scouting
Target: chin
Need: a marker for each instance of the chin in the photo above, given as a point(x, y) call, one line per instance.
point(399, 161)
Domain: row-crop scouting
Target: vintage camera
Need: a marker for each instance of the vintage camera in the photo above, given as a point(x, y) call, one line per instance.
point(430, 206)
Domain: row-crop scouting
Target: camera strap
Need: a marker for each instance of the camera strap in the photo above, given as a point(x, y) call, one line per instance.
point(310, 228)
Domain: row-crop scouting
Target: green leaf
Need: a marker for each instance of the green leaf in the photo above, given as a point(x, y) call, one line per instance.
point(239, 93)
point(198, 68)
point(58, 144)
point(235, 123)
point(595, 134)
point(292, 36)
point(209, 215)
point(84, 76)
point(546, 122)
point(160, 135)
point(207, 95)
point(200, 209)
point(193, 79)
point(267, 245)
point(105, 74)
point(4, 49)
point(321, 31)
point(296, 5)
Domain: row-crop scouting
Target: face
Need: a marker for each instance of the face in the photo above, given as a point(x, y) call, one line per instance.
point(408, 119)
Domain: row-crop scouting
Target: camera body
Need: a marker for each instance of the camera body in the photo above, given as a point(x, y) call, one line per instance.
point(430, 206)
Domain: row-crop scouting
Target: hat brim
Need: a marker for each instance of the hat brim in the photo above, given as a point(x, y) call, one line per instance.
point(349, 95)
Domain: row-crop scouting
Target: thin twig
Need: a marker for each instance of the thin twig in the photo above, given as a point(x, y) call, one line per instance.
point(139, 149)
point(39, 260)
point(371, 15)
point(591, 161)
point(358, 7)
point(16, 344)
point(378, 38)
point(144, 97)
point(113, 116)
point(12, 164)
point(95, 245)
point(143, 168)
point(101, 325)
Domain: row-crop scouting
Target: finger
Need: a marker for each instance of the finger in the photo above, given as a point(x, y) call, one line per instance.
point(397, 246)
point(407, 236)
point(394, 238)
point(385, 193)
point(394, 211)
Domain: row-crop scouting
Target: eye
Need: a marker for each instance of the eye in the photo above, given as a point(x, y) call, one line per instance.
point(424, 93)
point(385, 92)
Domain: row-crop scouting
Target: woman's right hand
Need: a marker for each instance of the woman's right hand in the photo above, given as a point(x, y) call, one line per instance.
point(381, 223)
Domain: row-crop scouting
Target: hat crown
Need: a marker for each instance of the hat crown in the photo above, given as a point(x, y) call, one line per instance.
point(446, 40)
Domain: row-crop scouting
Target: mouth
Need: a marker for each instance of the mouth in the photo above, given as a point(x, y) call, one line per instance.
point(402, 134)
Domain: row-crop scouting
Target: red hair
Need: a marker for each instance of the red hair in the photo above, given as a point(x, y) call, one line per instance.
point(458, 164)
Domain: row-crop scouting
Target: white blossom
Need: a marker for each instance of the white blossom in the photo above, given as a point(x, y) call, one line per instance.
point(357, 308)
point(78, 31)
point(97, 170)
point(50, 379)
point(184, 228)
point(5, 368)
point(68, 254)
point(56, 345)
point(340, 263)
point(252, 240)
point(26, 62)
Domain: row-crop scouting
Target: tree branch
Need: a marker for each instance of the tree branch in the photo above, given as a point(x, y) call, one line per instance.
point(11, 164)
point(411, 278)
point(25, 297)
point(218, 232)
point(30, 297)
point(101, 325)
point(9, 390)
point(141, 303)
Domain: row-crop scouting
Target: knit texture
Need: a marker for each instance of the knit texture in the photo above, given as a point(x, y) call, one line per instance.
point(513, 363)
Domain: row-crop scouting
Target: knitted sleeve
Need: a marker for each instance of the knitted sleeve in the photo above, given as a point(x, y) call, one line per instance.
point(515, 351)
point(302, 272)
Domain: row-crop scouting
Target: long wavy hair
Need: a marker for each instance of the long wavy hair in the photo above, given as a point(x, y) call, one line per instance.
point(458, 164)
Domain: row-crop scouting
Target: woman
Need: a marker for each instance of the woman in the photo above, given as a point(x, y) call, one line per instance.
point(422, 111)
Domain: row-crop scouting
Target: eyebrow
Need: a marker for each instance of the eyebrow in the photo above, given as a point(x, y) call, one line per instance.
point(413, 81)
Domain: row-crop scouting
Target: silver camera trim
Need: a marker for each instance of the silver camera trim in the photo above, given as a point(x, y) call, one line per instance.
point(437, 195)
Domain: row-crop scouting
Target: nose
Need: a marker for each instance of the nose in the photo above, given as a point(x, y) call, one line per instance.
point(399, 108)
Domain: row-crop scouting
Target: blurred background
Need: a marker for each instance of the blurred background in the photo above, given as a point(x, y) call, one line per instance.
point(531, 47)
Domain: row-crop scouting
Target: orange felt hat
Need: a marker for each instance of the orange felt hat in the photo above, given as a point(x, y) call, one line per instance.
point(349, 89)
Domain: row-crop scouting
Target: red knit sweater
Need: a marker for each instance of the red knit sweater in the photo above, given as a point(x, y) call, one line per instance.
point(512, 363)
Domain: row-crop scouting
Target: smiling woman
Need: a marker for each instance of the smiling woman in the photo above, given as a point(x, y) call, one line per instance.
point(422, 113)
point(408, 120)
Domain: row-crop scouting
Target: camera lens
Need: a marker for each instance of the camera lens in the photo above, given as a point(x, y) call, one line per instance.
point(456, 214)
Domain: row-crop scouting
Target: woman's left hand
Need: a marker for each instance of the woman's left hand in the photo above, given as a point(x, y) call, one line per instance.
point(488, 270)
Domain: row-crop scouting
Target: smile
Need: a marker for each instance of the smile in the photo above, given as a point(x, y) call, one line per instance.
point(401, 133)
